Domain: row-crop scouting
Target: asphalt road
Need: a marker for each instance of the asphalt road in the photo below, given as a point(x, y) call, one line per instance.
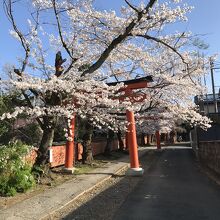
point(173, 189)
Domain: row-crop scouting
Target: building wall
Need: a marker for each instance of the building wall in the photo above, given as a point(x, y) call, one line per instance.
point(209, 108)
point(211, 134)
point(209, 154)
point(206, 145)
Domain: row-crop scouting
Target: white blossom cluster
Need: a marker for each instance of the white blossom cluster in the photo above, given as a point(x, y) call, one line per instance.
point(78, 95)
point(88, 38)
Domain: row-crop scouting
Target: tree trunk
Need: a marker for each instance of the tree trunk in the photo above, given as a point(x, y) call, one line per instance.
point(46, 142)
point(152, 138)
point(148, 139)
point(108, 146)
point(120, 141)
point(142, 139)
point(87, 156)
point(172, 137)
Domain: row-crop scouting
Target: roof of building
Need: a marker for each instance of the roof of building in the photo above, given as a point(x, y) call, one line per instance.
point(127, 82)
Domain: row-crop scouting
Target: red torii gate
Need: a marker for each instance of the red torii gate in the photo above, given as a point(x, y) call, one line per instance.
point(131, 85)
point(131, 138)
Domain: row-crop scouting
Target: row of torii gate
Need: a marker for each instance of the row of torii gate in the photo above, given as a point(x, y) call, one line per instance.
point(131, 139)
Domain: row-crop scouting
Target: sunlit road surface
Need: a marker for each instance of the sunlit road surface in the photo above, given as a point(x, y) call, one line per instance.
point(168, 147)
point(173, 189)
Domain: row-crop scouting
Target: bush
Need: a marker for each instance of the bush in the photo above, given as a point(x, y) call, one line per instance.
point(15, 173)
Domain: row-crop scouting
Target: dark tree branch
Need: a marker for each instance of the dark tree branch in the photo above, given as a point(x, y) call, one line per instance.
point(172, 48)
point(24, 43)
point(27, 99)
point(26, 47)
point(61, 36)
point(148, 37)
point(131, 6)
point(119, 39)
point(181, 36)
point(31, 106)
point(60, 29)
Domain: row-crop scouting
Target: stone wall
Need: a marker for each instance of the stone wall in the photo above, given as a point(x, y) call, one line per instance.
point(209, 154)
point(194, 141)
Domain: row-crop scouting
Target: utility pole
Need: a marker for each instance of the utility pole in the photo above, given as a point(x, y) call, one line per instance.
point(213, 86)
point(206, 96)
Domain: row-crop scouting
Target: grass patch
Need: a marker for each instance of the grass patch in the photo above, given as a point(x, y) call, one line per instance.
point(86, 168)
point(82, 169)
point(114, 155)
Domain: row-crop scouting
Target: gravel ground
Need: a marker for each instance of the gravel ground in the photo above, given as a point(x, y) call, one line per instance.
point(102, 201)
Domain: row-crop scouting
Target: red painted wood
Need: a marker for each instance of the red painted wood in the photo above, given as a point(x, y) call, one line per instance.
point(132, 140)
point(69, 158)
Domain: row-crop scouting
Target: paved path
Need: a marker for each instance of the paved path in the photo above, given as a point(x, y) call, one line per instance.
point(173, 189)
point(48, 202)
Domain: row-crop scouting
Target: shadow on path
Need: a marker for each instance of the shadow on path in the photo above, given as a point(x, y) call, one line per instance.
point(106, 202)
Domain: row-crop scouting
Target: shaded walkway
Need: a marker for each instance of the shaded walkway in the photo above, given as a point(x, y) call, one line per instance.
point(173, 189)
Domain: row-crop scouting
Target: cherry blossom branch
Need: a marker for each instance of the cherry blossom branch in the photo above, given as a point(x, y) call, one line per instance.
point(131, 6)
point(24, 43)
point(26, 47)
point(118, 40)
point(73, 59)
point(148, 37)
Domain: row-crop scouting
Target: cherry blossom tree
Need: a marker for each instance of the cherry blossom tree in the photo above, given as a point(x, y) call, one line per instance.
point(101, 47)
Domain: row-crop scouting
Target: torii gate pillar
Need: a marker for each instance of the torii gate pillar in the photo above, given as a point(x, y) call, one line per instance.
point(158, 140)
point(69, 157)
point(134, 169)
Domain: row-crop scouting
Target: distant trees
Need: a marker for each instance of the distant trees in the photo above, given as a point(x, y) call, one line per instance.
point(5, 126)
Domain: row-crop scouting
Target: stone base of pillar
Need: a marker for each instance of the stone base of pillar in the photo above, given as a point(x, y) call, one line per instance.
point(135, 172)
point(68, 170)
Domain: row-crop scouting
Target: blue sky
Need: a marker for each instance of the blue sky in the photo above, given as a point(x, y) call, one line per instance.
point(203, 20)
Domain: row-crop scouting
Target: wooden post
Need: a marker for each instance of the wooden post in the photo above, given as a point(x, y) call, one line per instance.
point(135, 169)
point(69, 157)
